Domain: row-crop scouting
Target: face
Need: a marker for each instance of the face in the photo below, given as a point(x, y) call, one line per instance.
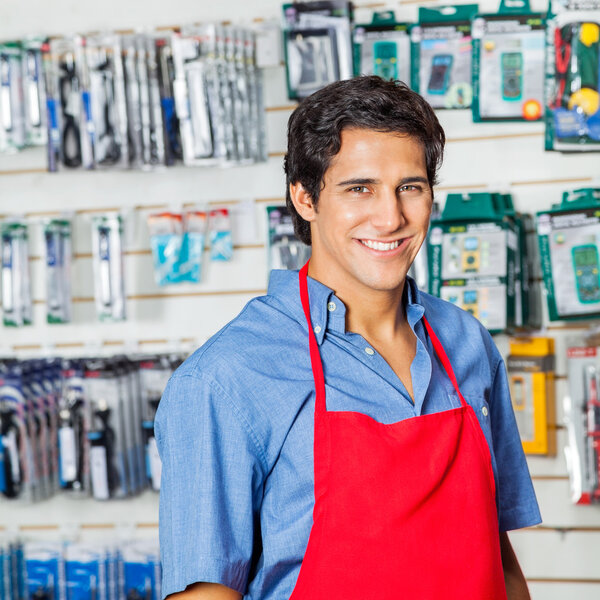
point(372, 215)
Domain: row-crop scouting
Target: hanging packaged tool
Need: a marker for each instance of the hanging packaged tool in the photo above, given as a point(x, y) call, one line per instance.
point(582, 418)
point(166, 76)
point(107, 100)
point(166, 240)
point(109, 278)
point(52, 107)
point(141, 570)
point(192, 249)
point(318, 45)
point(284, 249)
point(45, 570)
point(12, 115)
point(72, 120)
point(508, 64)
point(135, 81)
point(221, 243)
point(472, 252)
point(17, 304)
point(530, 367)
point(383, 48)
point(34, 93)
point(74, 423)
point(86, 572)
point(573, 76)
point(108, 446)
point(441, 55)
point(569, 236)
point(419, 270)
point(58, 251)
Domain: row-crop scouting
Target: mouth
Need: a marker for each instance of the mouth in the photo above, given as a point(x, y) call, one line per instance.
point(383, 246)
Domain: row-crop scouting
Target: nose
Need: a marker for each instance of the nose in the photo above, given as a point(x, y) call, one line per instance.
point(388, 216)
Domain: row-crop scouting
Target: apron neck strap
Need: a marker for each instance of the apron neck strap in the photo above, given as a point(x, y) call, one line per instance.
point(439, 350)
point(315, 356)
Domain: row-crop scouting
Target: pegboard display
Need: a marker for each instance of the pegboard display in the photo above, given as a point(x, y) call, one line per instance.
point(560, 557)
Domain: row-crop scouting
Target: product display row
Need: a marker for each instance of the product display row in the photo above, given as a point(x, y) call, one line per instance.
point(83, 426)
point(36, 570)
point(513, 65)
point(135, 100)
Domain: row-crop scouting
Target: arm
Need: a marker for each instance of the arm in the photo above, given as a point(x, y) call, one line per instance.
point(206, 591)
point(516, 586)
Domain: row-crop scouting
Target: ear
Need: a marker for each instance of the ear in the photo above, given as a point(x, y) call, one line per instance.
point(302, 202)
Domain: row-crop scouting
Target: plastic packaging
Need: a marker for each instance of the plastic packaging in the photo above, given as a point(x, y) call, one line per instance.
point(58, 251)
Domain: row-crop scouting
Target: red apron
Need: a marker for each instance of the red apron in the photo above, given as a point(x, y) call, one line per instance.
point(405, 510)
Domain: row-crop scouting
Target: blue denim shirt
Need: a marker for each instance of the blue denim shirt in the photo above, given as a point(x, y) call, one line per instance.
point(235, 430)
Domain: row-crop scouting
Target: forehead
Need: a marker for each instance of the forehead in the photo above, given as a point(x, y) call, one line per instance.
point(370, 149)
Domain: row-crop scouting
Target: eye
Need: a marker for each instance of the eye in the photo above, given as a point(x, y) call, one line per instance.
point(359, 189)
point(410, 187)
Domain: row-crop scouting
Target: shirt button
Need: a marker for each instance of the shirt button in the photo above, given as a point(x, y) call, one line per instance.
point(485, 411)
point(331, 306)
point(369, 351)
point(317, 330)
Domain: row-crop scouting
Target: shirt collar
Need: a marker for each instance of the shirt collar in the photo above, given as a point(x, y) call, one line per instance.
point(327, 311)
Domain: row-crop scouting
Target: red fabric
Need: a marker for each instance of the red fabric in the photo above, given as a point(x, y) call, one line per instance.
point(405, 510)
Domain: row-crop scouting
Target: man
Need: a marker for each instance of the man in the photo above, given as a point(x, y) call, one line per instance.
point(346, 436)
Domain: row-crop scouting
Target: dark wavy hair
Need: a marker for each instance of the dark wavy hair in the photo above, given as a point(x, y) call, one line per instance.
point(366, 102)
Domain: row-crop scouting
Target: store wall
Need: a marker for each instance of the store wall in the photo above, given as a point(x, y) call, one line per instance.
point(560, 558)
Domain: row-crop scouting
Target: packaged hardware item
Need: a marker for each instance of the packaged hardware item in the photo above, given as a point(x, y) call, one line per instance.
point(472, 253)
point(382, 48)
point(530, 367)
point(141, 571)
point(572, 93)
point(70, 129)
point(45, 570)
point(221, 242)
point(109, 279)
point(166, 240)
point(17, 303)
point(192, 249)
point(58, 250)
point(285, 250)
point(441, 55)
point(508, 64)
point(12, 114)
point(34, 93)
point(568, 236)
point(108, 107)
point(318, 45)
point(582, 418)
point(86, 572)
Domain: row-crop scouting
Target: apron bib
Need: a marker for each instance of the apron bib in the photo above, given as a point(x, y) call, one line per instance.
point(402, 510)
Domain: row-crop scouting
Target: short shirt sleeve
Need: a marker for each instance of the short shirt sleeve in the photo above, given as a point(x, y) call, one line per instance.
point(517, 504)
point(210, 489)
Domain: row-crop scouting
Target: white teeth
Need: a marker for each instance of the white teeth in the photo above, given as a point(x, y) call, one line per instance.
point(382, 246)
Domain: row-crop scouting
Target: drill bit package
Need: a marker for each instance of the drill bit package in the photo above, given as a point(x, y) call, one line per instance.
point(107, 99)
point(16, 289)
point(221, 243)
point(109, 278)
point(108, 447)
point(34, 93)
point(166, 239)
point(318, 45)
point(69, 127)
point(572, 76)
point(285, 250)
point(382, 48)
point(508, 64)
point(163, 53)
point(12, 116)
point(57, 237)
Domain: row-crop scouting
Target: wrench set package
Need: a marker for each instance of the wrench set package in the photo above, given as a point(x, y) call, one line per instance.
point(572, 91)
point(17, 303)
point(508, 64)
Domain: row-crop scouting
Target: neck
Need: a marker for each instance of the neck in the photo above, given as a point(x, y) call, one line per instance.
point(375, 314)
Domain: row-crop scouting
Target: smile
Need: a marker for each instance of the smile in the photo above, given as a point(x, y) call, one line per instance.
point(381, 246)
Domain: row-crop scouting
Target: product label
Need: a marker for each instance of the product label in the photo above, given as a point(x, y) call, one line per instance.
point(99, 471)
point(68, 453)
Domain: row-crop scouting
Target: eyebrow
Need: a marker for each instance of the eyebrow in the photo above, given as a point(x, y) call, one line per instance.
point(368, 181)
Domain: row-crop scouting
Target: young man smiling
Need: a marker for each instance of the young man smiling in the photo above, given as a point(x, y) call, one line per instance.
point(346, 436)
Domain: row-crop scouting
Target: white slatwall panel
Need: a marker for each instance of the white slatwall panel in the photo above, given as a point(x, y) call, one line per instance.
point(561, 558)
